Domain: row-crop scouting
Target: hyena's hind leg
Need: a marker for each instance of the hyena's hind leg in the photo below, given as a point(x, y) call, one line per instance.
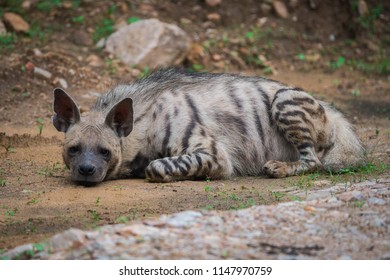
point(206, 160)
point(303, 123)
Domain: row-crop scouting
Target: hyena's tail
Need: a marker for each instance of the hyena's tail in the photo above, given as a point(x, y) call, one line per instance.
point(347, 150)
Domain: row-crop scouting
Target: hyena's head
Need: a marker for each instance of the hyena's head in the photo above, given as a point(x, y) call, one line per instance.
point(92, 149)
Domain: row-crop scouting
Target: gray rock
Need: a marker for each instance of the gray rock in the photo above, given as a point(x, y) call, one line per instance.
point(351, 196)
point(18, 251)
point(101, 43)
point(149, 43)
point(71, 238)
point(183, 219)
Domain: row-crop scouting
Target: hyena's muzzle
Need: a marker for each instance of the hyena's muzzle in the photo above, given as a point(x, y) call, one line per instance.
point(88, 169)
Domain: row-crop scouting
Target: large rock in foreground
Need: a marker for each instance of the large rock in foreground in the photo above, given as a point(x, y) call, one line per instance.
point(339, 222)
point(149, 43)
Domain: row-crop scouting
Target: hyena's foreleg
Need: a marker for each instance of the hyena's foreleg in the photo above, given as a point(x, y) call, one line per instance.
point(198, 164)
point(303, 123)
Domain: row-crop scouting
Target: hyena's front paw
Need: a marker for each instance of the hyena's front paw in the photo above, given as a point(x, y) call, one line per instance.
point(276, 169)
point(157, 171)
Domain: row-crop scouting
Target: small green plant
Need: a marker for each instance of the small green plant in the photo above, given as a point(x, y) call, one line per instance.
point(278, 195)
point(306, 181)
point(97, 202)
point(103, 30)
point(79, 19)
point(37, 247)
point(250, 35)
point(40, 125)
point(301, 56)
point(2, 251)
point(3, 182)
point(267, 71)
point(111, 10)
point(209, 207)
point(359, 203)
point(256, 34)
point(122, 220)
point(30, 227)
point(358, 173)
point(36, 32)
point(34, 200)
point(47, 6)
point(380, 66)
point(218, 198)
point(144, 73)
point(111, 67)
point(11, 213)
point(334, 65)
point(50, 170)
point(355, 92)
point(208, 189)
point(295, 198)
point(95, 216)
point(132, 20)
point(7, 40)
point(254, 60)
point(367, 168)
point(367, 21)
point(249, 203)
point(197, 67)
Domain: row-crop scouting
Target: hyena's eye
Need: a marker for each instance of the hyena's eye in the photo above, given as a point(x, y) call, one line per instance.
point(73, 150)
point(105, 153)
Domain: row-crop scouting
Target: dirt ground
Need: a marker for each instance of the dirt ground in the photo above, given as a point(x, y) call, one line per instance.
point(37, 199)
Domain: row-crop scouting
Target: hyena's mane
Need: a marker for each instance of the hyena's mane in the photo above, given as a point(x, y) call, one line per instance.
point(150, 87)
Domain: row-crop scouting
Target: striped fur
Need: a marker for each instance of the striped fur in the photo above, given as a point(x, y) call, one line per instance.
point(177, 126)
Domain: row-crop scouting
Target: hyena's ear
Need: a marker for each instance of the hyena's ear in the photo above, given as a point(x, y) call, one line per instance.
point(120, 118)
point(66, 111)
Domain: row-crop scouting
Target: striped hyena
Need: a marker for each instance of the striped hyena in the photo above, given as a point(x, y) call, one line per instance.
point(174, 125)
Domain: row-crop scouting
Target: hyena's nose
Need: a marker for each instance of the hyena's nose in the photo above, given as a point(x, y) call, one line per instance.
point(86, 169)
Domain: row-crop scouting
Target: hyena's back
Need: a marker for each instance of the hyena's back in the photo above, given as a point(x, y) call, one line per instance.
point(218, 125)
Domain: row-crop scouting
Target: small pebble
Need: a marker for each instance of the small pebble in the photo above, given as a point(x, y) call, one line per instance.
point(42, 72)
